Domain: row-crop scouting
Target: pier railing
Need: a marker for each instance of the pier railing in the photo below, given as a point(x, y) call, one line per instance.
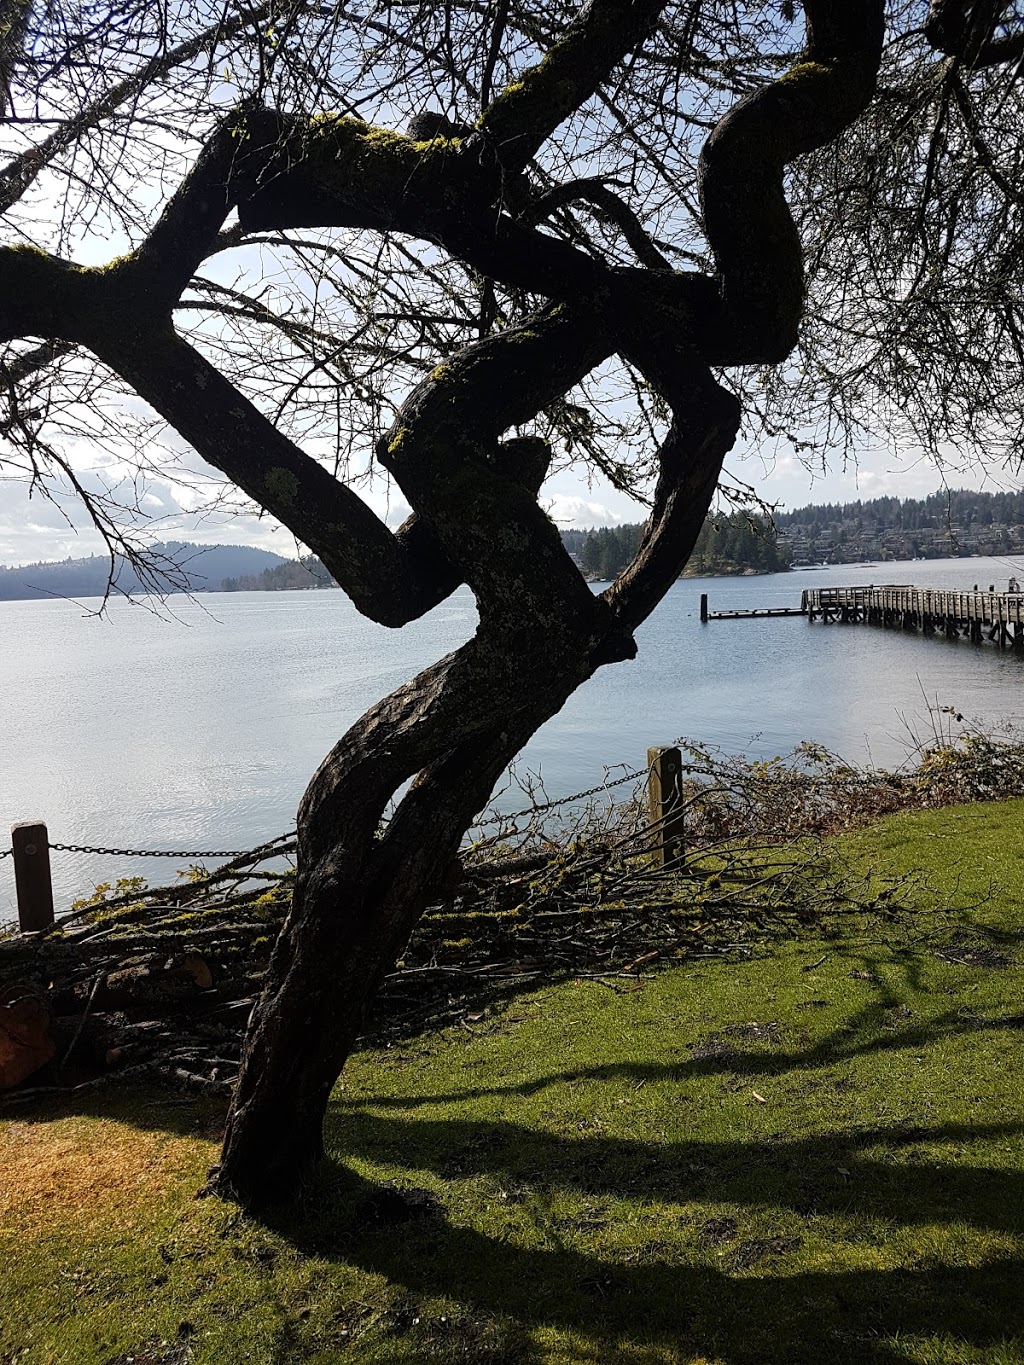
point(987, 608)
point(927, 608)
point(999, 616)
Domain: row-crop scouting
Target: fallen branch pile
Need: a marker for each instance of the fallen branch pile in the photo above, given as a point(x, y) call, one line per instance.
point(159, 983)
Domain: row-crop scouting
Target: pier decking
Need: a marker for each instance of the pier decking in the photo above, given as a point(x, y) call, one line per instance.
point(978, 616)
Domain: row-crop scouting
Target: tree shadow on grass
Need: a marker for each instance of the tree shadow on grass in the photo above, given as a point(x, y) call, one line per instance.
point(739, 1297)
point(865, 1033)
point(734, 1302)
point(860, 1035)
point(872, 1173)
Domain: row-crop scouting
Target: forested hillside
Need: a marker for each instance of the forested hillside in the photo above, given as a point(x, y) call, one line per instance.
point(292, 574)
point(735, 543)
point(961, 522)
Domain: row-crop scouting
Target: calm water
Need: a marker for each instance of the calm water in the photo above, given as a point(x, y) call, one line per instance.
point(200, 731)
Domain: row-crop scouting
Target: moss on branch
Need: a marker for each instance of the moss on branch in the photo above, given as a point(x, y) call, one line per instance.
point(334, 170)
point(530, 108)
point(47, 296)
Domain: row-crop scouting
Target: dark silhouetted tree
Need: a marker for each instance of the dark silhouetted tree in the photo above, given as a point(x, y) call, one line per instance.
point(463, 243)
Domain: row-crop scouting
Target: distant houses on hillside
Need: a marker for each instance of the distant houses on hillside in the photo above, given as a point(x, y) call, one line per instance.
point(960, 523)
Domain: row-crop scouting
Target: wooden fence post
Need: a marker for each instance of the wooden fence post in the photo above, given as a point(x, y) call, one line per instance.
point(665, 804)
point(31, 847)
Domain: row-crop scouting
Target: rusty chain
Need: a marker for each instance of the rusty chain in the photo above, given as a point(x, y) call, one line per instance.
point(159, 852)
point(241, 852)
point(560, 801)
point(151, 852)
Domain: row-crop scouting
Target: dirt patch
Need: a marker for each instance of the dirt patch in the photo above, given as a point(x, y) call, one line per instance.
point(717, 1231)
point(972, 955)
point(391, 1206)
point(710, 1048)
point(154, 1353)
point(724, 1043)
point(896, 1017)
point(85, 1171)
point(754, 1032)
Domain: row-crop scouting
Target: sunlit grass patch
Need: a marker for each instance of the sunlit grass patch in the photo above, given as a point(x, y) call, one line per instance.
point(963, 856)
point(83, 1173)
point(812, 1156)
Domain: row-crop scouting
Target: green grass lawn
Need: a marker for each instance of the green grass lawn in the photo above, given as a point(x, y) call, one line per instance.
point(814, 1156)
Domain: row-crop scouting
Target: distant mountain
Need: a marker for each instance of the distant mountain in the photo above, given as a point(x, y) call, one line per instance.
point(179, 566)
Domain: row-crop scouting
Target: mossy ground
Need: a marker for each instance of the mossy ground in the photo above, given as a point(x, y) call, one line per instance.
point(815, 1156)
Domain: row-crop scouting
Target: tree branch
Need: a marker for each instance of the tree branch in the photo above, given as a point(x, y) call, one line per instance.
point(966, 29)
point(14, 17)
point(493, 48)
point(527, 112)
point(596, 192)
point(705, 421)
point(1013, 193)
point(443, 451)
point(22, 367)
point(188, 230)
point(390, 580)
point(22, 170)
point(746, 218)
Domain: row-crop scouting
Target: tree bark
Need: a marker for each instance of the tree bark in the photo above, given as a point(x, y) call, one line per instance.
point(360, 888)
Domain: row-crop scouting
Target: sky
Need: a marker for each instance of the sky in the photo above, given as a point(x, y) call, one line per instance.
point(33, 529)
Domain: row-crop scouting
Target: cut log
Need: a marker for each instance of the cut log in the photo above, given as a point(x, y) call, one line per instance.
point(198, 969)
point(152, 984)
point(26, 1036)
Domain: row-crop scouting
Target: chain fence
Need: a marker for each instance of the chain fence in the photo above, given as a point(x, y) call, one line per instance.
point(531, 811)
point(159, 852)
point(504, 818)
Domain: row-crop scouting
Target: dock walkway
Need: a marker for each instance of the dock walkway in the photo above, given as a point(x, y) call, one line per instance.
point(996, 616)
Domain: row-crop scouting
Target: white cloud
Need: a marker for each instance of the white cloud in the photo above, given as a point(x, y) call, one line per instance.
point(575, 513)
point(390, 506)
point(182, 498)
point(34, 529)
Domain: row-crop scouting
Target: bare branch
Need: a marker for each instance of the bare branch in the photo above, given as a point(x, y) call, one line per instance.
point(598, 193)
point(967, 29)
point(18, 174)
point(377, 570)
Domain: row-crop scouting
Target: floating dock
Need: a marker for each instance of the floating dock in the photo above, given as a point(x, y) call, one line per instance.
point(977, 616)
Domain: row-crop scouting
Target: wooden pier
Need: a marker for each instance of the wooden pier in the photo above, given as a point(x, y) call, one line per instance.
point(977, 616)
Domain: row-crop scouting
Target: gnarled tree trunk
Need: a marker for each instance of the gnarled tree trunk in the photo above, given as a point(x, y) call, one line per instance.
point(360, 886)
point(542, 632)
